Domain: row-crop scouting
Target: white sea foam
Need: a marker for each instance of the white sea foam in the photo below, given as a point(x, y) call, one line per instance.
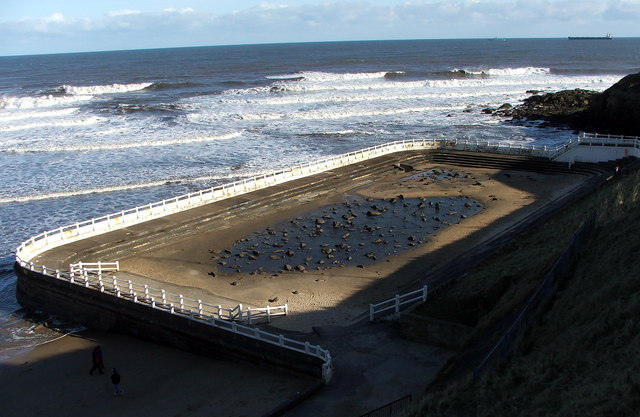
point(12, 102)
point(358, 98)
point(39, 114)
point(129, 187)
point(505, 71)
point(104, 89)
point(317, 76)
point(511, 79)
point(56, 123)
point(126, 145)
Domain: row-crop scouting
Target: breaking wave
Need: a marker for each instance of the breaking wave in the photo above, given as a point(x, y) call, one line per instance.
point(13, 102)
point(503, 71)
point(127, 145)
point(57, 123)
point(129, 187)
point(103, 89)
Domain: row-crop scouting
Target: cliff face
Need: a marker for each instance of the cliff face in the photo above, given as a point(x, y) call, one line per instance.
point(615, 111)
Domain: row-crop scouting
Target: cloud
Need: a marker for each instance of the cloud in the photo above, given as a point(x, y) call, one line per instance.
point(124, 12)
point(338, 20)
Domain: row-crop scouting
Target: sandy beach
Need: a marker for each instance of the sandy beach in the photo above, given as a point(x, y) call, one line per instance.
point(53, 378)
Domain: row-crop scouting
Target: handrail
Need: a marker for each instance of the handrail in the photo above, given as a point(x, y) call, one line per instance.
point(609, 140)
point(395, 304)
point(394, 408)
point(542, 293)
point(94, 278)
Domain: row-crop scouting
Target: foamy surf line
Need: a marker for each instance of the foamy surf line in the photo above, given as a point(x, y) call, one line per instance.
point(129, 187)
point(372, 98)
point(39, 114)
point(60, 123)
point(116, 146)
point(336, 114)
point(104, 89)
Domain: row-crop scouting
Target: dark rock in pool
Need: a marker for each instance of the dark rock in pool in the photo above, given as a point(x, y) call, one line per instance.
point(365, 232)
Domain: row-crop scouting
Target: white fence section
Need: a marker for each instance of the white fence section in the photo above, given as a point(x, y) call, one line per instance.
point(90, 275)
point(395, 305)
point(609, 140)
point(593, 147)
point(94, 267)
point(82, 230)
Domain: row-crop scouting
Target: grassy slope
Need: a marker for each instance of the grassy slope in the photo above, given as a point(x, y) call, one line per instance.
point(583, 358)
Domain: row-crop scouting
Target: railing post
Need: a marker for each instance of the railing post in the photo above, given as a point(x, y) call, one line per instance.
point(200, 307)
point(397, 304)
point(370, 312)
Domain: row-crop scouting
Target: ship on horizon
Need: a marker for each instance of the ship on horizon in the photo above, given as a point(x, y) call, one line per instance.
point(607, 37)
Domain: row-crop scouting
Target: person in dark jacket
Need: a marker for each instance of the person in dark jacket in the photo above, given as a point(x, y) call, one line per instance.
point(115, 380)
point(96, 360)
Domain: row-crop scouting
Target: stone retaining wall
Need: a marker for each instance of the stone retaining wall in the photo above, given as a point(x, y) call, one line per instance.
point(106, 312)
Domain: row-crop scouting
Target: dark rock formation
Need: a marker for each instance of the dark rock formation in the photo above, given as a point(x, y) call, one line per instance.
point(614, 111)
point(617, 109)
point(554, 108)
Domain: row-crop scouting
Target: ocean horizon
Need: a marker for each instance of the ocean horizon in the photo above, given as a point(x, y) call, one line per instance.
point(87, 134)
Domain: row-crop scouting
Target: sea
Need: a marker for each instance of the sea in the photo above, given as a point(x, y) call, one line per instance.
point(87, 134)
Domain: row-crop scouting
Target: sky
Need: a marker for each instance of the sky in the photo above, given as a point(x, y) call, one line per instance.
point(46, 26)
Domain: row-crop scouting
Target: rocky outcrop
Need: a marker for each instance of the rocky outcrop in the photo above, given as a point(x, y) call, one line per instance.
point(614, 111)
point(617, 109)
point(552, 106)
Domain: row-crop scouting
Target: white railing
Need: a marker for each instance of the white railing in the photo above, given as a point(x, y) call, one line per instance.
point(94, 267)
point(82, 230)
point(82, 274)
point(609, 140)
point(396, 304)
point(191, 309)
